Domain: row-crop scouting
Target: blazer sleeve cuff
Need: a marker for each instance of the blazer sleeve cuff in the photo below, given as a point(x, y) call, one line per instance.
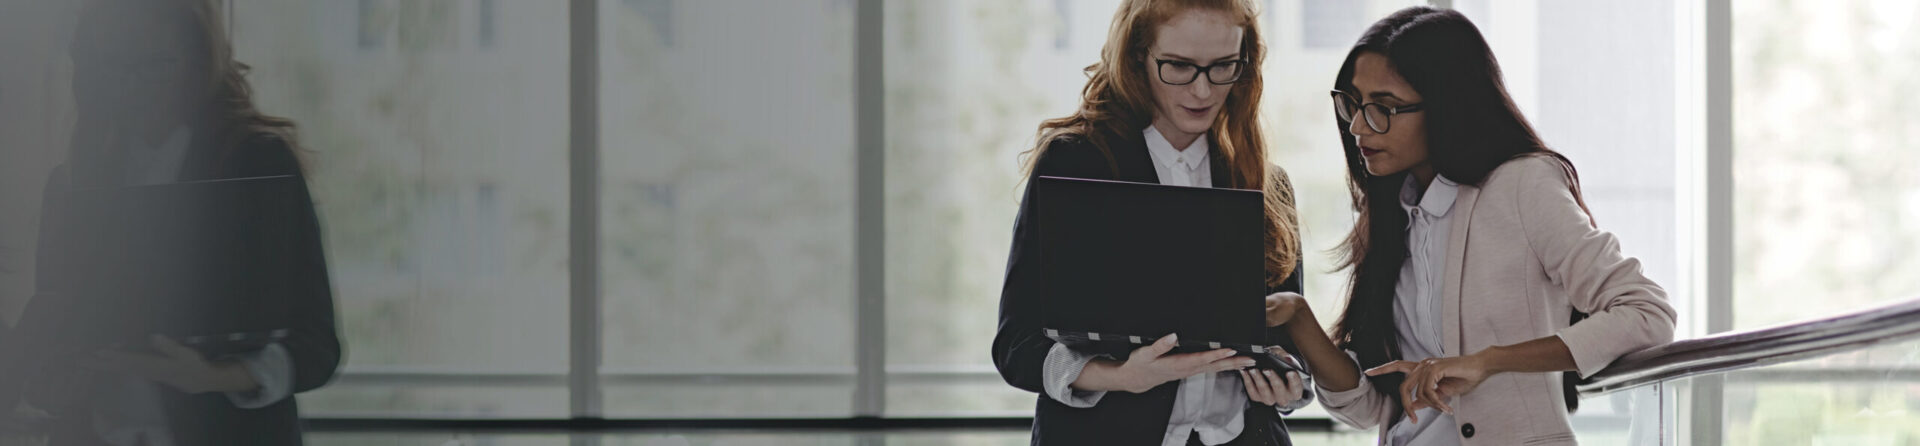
point(1062, 367)
point(1590, 353)
point(1346, 398)
point(1334, 401)
point(272, 369)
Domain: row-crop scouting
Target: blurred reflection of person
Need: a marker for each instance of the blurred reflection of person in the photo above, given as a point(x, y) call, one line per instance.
point(161, 100)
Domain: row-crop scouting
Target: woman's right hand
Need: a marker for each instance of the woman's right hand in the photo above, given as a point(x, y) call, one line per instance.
point(1150, 366)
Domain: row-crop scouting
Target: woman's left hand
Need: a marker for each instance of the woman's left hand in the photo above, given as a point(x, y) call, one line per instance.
point(177, 366)
point(1266, 387)
point(1429, 383)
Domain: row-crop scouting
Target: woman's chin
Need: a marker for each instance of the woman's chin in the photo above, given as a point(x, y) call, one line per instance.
point(1380, 170)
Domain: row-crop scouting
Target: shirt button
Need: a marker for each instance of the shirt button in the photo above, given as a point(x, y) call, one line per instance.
point(1466, 430)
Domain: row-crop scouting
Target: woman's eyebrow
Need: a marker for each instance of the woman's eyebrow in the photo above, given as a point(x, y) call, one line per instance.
point(1382, 95)
point(1191, 60)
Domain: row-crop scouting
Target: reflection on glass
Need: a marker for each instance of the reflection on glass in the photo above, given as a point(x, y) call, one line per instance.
point(727, 189)
point(440, 174)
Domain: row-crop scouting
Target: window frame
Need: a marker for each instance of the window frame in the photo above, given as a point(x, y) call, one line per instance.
point(1706, 120)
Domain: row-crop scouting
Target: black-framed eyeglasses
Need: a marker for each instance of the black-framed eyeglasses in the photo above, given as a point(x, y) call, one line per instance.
point(1379, 116)
point(1174, 72)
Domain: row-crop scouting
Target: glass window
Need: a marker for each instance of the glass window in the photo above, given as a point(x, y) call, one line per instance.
point(36, 114)
point(439, 171)
point(727, 207)
point(1825, 195)
point(1859, 397)
point(438, 131)
point(1825, 206)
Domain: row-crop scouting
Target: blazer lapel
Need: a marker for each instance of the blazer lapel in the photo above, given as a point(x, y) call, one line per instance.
point(1217, 166)
point(1131, 157)
point(1456, 258)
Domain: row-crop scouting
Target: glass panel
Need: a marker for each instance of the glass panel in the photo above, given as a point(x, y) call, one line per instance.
point(36, 120)
point(742, 439)
point(1866, 397)
point(981, 394)
point(440, 176)
point(434, 439)
point(475, 400)
point(1628, 417)
point(731, 399)
point(727, 201)
point(1825, 195)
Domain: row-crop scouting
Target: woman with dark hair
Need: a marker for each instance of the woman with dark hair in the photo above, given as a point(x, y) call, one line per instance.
point(163, 104)
point(1473, 258)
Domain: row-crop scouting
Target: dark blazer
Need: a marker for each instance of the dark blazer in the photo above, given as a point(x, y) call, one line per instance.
point(204, 419)
point(1019, 348)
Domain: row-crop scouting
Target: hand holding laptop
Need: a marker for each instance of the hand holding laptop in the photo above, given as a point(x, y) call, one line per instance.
point(1150, 366)
point(175, 364)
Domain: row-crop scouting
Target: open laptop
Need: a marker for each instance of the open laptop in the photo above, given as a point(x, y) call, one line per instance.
point(1123, 264)
point(203, 262)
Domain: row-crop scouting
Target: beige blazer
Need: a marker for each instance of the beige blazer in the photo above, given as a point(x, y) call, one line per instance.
point(1520, 255)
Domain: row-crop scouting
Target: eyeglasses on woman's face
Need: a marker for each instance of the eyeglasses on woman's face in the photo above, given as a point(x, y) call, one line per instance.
point(1379, 116)
point(1174, 72)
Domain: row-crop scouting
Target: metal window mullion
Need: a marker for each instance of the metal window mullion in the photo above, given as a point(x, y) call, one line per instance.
point(583, 218)
point(869, 395)
point(1707, 410)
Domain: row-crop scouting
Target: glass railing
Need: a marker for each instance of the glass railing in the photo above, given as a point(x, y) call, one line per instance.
point(1852, 379)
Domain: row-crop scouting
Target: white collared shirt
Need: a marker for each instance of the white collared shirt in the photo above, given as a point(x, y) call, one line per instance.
point(1417, 299)
point(1211, 405)
point(1189, 167)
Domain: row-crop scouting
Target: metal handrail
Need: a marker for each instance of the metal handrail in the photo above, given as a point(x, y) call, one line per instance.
point(446, 376)
point(1759, 347)
point(1692, 357)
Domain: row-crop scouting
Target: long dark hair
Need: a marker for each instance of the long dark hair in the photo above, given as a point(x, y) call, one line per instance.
point(1472, 127)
